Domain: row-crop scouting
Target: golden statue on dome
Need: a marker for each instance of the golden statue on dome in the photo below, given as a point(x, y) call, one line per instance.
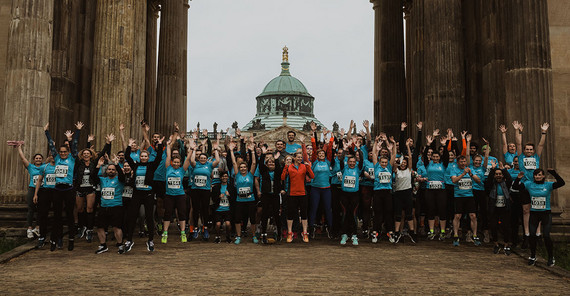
point(285, 54)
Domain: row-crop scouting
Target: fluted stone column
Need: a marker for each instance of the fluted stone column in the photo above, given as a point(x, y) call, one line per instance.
point(170, 77)
point(113, 58)
point(444, 97)
point(182, 110)
point(87, 35)
point(150, 70)
point(415, 60)
point(25, 107)
point(389, 72)
point(139, 69)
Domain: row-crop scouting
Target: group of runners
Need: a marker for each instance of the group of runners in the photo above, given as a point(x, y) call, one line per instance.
point(344, 185)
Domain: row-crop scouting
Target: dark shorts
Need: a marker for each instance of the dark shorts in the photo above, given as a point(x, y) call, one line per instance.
point(465, 205)
point(245, 210)
point(222, 216)
point(84, 191)
point(159, 188)
point(112, 216)
point(525, 197)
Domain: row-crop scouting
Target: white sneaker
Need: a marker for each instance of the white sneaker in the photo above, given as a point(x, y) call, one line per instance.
point(469, 237)
point(36, 232)
point(30, 233)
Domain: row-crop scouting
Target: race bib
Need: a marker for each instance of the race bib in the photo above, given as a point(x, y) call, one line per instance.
point(85, 182)
point(349, 182)
point(339, 176)
point(371, 172)
point(384, 177)
point(529, 163)
point(500, 201)
point(139, 182)
point(216, 173)
point(108, 193)
point(488, 170)
point(200, 181)
point(35, 180)
point(61, 171)
point(465, 184)
point(173, 182)
point(128, 191)
point(224, 201)
point(50, 180)
point(538, 202)
point(435, 185)
point(244, 192)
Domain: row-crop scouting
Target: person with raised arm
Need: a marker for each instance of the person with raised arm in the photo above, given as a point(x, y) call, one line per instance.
point(45, 198)
point(382, 204)
point(34, 168)
point(245, 199)
point(270, 187)
point(509, 149)
point(498, 186)
point(403, 176)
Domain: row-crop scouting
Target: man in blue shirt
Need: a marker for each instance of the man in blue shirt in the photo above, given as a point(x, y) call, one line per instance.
point(291, 147)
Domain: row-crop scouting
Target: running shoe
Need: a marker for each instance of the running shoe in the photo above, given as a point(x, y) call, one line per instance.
point(183, 237)
point(397, 237)
point(365, 233)
point(60, 243)
point(196, 233)
point(217, 240)
point(469, 237)
point(30, 233)
point(327, 230)
point(264, 239)
point(205, 234)
point(525, 242)
point(374, 237)
point(89, 236)
point(164, 237)
point(486, 238)
point(343, 239)
point(431, 235)
point(354, 240)
point(442, 236)
point(305, 237)
point(476, 241)
point(141, 234)
point(289, 237)
point(413, 237)
point(121, 249)
point(101, 249)
point(507, 250)
point(531, 261)
point(496, 249)
point(41, 242)
point(52, 246)
point(551, 262)
point(456, 241)
point(313, 232)
point(228, 240)
point(128, 246)
point(254, 239)
point(150, 246)
point(81, 232)
point(36, 232)
point(238, 240)
point(70, 244)
point(391, 237)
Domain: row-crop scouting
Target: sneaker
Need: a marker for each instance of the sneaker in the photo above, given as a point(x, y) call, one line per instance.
point(238, 240)
point(81, 232)
point(431, 235)
point(164, 237)
point(507, 251)
point(397, 236)
point(365, 233)
point(30, 233)
point(442, 236)
point(121, 249)
point(264, 239)
point(141, 234)
point(413, 237)
point(217, 240)
point(89, 236)
point(374, 237)
point(41, 242)
point(183, 237)
point(128, 246)
point(391, 237)
point(305, 237)
point(313, 232)
point(531, 261)
point(150, 246)
point(486, 238)
point(36, 232)
point(327, 230)
point(196, 233)
point(60, 243)
point(524, 245)
point(228, 240)
point(551, 262)
point(354, 240)
point(70, 244)
point(254, 239)
point(496, 249)
point(343, 239)
point(205, 235)
point(469, 237)
point(289, 237)
point(101, 249)
point(476, 241)
point(456, 241)
point(52, 246)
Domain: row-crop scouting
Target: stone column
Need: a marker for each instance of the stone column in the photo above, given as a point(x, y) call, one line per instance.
point(182, 111)
point(83, 97)
point(389, 71)
point(150, 69)
point(444, 79)
point(139, 69)
point(170, 76)
point(113, 58)
point(25, 107)
point(415, 60)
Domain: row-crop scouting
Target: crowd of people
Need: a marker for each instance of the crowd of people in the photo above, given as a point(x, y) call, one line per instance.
point(346, 186)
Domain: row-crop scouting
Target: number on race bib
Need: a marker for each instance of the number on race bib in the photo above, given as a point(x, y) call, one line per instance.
point(61, 171)
point(384, 177)
point(224, 201)
point(216, 173)
point(349, 182)
point(500, 201)
point(200, 181)
point(139, 182)
point(529, 163)
point(435, 185)
point(371, 172)
point(339, 176)
point(85, 182)
point(128, 191)
point(173, 182)
point(538, 202)
point(108, 193)
point(244, 192)
point(35, 180)
point(50, 180)
point(465, 184)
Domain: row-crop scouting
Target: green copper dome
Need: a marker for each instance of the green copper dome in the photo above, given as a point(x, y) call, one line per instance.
point(284, 84)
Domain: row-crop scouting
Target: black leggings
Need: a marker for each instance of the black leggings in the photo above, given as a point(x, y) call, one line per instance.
point(436, 200)
point(382, 206)
point(336, 193)
point(67, 195)
point(48, 198)
point(546, 218)
point(365, 203)
point(403, 202)
point(481, 202)
point(296, 204)
point(504, 216)
point(174, 201)
point(349, 202)
point(200, 205)
point(270, 208)
point(145, 198)
point(516, 216)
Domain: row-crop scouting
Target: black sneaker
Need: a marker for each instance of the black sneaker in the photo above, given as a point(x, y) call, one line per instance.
point(217, 240)
point(531, 261)
point(496, 249)
point(101, 249)
point(524, 245)
point(397, 237)
point(128, 246)
point(551, 262)
point(52, 246)
point(150, 246)
point(121, 249)
point(313, 232)
point(60, 243)
point(41, 242)
point(70, 244)
point(141, 234)
point(89, 236)
point(264, 239)
point(228, 240)
point(329, 234)
point(507, 250)
point(413, 237)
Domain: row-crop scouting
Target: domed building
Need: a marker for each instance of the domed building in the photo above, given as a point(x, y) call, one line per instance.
point(284, 101)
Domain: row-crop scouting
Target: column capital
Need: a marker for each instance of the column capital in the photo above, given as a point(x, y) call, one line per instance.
point(187, 4)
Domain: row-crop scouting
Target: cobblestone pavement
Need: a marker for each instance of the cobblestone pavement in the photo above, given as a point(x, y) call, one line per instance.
point(320, 267)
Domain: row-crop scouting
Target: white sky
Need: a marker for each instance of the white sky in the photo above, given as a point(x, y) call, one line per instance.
point(235, 47)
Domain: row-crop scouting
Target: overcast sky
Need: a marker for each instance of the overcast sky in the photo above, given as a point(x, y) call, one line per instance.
point(235, 49)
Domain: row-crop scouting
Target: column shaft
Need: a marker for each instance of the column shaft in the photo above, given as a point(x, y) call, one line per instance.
point(150, 69)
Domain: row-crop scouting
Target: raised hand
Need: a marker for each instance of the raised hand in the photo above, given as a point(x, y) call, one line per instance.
point(429, 139)
point(205, 133)
point(302, 138)
point(231, 145)
point(449, 133)
point(69, 135)
point(90, 138)
point(342, 132)
point(544, 127)
point(263, 149)
point(493, 164)
point(392, 140)
point(502, 128)
point(443, 141)
point(468, 137)
point(251, 147)
point(218, 136)
point(192, 143)
point(160, 140)
point(46, 127)
point(403, 126)
point(313, 126)
point(79, 125)
point(420, 125)
point(101, 162)
point(195, 135)
point(110, 138)
point(366, 124)
point(121, 127)
point(463, 133)
point(131, 141)
point(435, 133)
point(176, 126)
point(501, 165)
point(485, 140)
point(408, 142)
